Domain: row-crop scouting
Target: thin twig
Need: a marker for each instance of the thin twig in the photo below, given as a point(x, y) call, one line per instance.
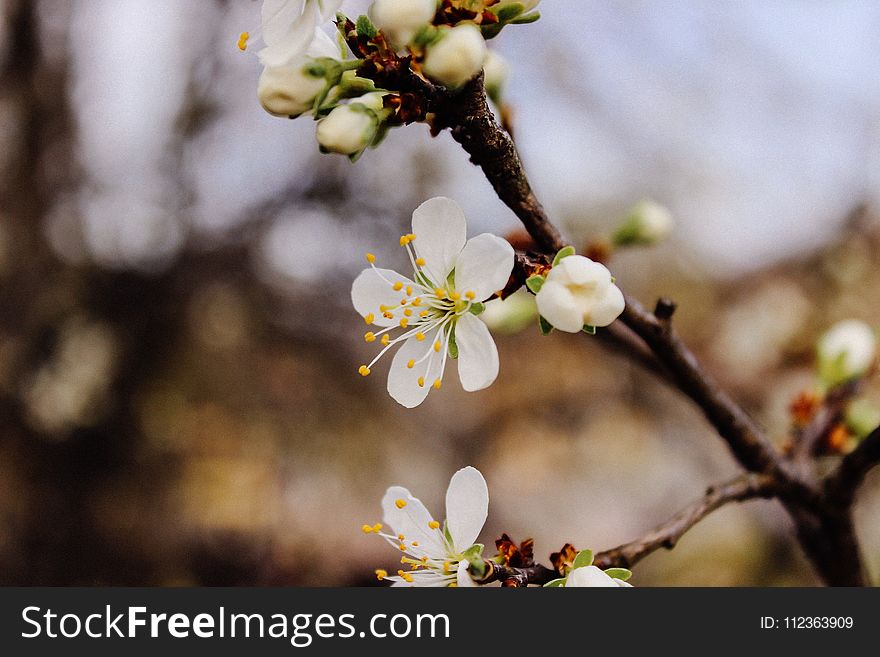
point(742, 488)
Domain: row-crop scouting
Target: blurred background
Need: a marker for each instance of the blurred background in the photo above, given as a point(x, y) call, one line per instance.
point(179, 398)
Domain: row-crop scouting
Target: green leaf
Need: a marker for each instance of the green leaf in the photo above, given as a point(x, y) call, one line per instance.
point(473, 551)
point(555, 582)
point(453, 346)
point(477, 568)
point(508, 12)
point(619, 573)
point(525, 20)
point(584, 558)
point(535, 283)
point(545, 326)
point(365, 27)
point(564, 252)
point(426, 36)
point(589, 330)
point(477, 308)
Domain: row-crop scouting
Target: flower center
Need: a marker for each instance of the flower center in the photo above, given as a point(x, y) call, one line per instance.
point(427, 311)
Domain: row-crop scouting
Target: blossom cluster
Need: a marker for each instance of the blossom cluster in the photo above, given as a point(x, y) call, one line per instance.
point(443, 554)
point(306, 71)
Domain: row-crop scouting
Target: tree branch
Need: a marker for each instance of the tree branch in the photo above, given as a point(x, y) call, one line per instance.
point(844, 482)
point(742, 488)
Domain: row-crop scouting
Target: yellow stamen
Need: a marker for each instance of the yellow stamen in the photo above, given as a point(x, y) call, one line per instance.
point(421, 382)
point(386, 340)
point(381, 574)
point(404, 322)
point(415, 544)
point(406, 576)
point(424, 313)
point(398, 286)
point(420, 336)
point(401, 547)
point(440, 293)
point(455, 296)
point(417, 302)
point(371, 258)
point(434, 524)
point(404, 240)
point(437, 384)
point(368, 318)
point(411, 364)
point(420, 262)
point(383, 308)
point(401, 537)
point(403, 302)
point(363, 370)
point(471, 295)
point(446, 565)
point(411, 237)
point(370, 337)
point(437, 346)
point(407, 312)
point(400, 503)
point(366, 529)
point(377, 527)
point(388, 315)
point(453, 585)
point(409, 290)
point(243, 39)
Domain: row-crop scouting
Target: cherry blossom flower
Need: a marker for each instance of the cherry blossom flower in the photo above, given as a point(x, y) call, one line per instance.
point(591, 576)
point(288, 28)
point(435, 553)
point(846, 351)
point(579, 293)
point(435, 311)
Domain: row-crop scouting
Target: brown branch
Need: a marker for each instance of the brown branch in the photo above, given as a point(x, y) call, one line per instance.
point(742, 488)
point(472, 124)
point(743, 435)
point(510, 576)
point(844, 482)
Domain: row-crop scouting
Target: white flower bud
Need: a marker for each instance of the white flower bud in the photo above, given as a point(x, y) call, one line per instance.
point(648, 223)
point(400, 20)
point(288, 90)
point(497, 71)
point(846, 351)
point(457, 57)
point(579, 292)
point(349, 129)
point(591, 576)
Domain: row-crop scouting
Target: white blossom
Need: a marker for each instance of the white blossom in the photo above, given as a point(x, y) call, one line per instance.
point(400, 20)
point(579, 292)
point(591, 576)
point(349, 129)
point(648, 223)
point(435, 552)
point(457, 57)
point(846, 351)
point(288, 28)
point(434, 311)
point(291, 90)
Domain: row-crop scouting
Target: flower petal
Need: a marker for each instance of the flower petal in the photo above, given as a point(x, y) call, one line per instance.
point(558, 306)
point(477, 354)
point(441, 230)
point(322, 45)
point(403, 382)
point(372, 289)
point(288, 30)
point(467, 505)
point(589, 576)
point(463, 577)
point(583, 272)
point(484, 266)
point(411, 520)
point(606, 308)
